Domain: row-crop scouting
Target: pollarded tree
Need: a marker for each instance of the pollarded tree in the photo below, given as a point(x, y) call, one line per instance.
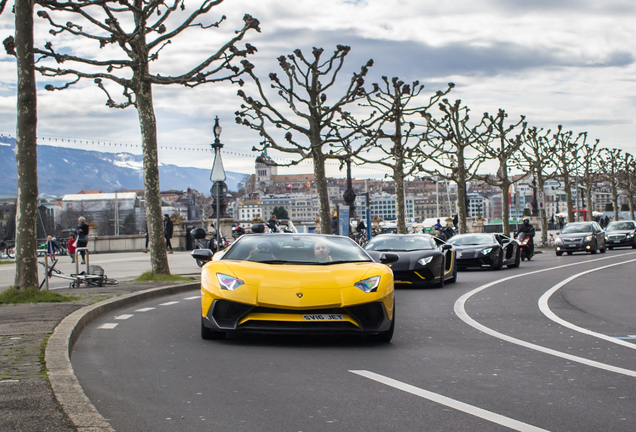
point(627, 178)
point(501, 144)
point(26, 263)
point(610, 163)
point(309, 115)
point(141, 29)
point(589, 172)
point(398, 149)
point(565, 158)
point(448, 144)
point(535, 160)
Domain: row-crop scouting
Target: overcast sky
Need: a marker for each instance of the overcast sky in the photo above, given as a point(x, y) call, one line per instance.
point(568, 62)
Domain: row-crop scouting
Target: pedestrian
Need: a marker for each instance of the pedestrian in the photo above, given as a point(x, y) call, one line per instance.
point(146, 230)
point(82, 236)
point(607, 220)
point(361, 228)
point(272, 223)
point(72, 246)
point(51, 247)
point(334, 224)
point(168, 228)
point(455, 220)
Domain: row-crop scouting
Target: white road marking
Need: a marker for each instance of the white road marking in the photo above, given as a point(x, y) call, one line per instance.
point(144, 309)
point(451, 403)
point(169, 303)
point(543, 305)
point(123, 317)
point(108, 326)
point(460, 311)
point(192, 298)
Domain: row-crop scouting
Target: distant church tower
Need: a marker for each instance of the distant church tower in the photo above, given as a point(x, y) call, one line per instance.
point(264, 171)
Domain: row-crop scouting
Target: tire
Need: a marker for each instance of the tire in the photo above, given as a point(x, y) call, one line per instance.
point(385, 337)
point(559, 253)
point(209, 334)
point(454, 278)
point(595, 249)
point(570, 253)
point(611, 248)
point(11, 252)
point(440, 284)
point(604, 249)
point(499, 264)
point(517, 261)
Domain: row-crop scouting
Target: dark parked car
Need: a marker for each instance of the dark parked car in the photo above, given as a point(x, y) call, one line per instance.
point(580, 237)
point(620, 234)
point(424, 260)
point(491, 251)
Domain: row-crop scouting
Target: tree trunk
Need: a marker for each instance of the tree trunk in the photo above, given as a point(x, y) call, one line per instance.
point(614, 188)
point(568, 198)
point(398, 178)
point(505, 216)
point(26, 267)
point(321, 190)
point(544, 215)
point(148, 124)
point(461, 203)
point(588, 199)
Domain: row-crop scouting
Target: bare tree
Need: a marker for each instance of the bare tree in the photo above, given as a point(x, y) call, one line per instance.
point(447, 145)
point(611, 165)
point(535, 159)
point(589, 174)
point(628, 180)
point(501, 144)
point(26, 263)
point(565, 159)
point(105, 22)
point(403, 153)
point(309, 115)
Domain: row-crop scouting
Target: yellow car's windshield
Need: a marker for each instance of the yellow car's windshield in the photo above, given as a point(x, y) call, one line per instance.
point(295, 249)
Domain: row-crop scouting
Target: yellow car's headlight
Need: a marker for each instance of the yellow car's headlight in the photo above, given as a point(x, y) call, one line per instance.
point(368, 285)
point(228, 283)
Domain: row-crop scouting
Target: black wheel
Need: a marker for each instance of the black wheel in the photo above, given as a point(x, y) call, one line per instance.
point(570, 253)
point(594, 249)
point(107, 281)
point(610, 247)
point(604, 249)
point(517, 261)
point(440, 284)
point(454, 278)
point(11, 252)
point(559, 253)
point(633, 247)
point(385, 337)
point(209, 334)
point(499, 264)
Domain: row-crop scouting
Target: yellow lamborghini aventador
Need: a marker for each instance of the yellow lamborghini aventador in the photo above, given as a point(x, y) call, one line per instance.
point(296, 283)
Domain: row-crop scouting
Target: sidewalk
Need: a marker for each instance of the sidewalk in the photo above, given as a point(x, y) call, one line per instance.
point(27, 402)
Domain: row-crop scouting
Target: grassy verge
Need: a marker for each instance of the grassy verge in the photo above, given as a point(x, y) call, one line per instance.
point(43, 371)
point(7, 262)
point(32, 295)
point(149, 277)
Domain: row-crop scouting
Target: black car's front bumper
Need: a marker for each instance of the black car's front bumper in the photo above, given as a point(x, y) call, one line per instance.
point(575, 245)
point(226, 315)
point(476, 259)
point(620, 240)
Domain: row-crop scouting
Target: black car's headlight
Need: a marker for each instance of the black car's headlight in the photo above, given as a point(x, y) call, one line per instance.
point(424, 261)
point(589, 238)
point(558, 240)
point(486, 251)
point(631, 234)
point(228, 283)
point(369, 284)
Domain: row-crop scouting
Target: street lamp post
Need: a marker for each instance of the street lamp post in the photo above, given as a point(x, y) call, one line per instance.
point(218, 177)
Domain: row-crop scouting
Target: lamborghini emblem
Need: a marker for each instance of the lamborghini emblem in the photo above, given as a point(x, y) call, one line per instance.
point(299, 295)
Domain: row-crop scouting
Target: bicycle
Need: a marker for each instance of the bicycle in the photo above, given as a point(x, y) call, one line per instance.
point(7, 249)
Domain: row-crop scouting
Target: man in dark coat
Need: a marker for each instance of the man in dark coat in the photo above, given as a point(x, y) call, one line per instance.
point(82, 236)
point(168, 228)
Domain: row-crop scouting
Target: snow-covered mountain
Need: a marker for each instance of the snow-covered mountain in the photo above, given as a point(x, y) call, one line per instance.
point(65, 170)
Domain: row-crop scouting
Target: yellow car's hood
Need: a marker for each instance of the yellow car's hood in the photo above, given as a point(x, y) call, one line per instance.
point(298, 286)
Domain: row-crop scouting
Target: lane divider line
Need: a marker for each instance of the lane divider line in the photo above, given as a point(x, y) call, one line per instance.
point(451, 403)
point(460, 311)
point(108, 326)
point(192, 298)
point(145, 309)
point(543, 306)
point(124, 317)
point(169, 303)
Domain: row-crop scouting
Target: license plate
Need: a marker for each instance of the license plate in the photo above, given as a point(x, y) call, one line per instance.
point(324, 317)
point(572, 245)
point(617, 241)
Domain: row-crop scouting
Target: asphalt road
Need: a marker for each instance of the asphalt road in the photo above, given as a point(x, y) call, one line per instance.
point(520, 349)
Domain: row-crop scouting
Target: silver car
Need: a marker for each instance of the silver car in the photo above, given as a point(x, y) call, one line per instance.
point(580, 237)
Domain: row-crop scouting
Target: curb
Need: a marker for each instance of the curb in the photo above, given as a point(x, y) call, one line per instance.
point(64, 383)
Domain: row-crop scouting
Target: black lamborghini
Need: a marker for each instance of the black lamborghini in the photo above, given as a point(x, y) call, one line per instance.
point(424, 260)
point(492, 251)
